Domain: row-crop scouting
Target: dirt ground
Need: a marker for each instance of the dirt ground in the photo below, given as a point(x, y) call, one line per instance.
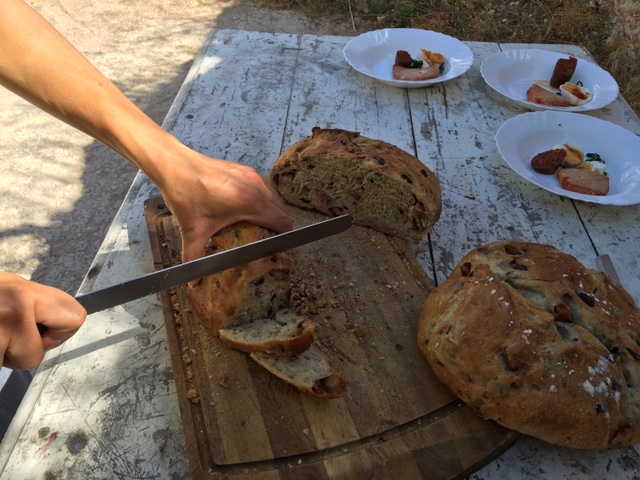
point(60, 189)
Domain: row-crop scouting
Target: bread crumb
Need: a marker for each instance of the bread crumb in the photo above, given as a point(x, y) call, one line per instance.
point(193, 396)
point(223, 380)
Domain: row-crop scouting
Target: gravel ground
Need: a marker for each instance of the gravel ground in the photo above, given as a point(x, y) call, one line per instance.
point(60, 189)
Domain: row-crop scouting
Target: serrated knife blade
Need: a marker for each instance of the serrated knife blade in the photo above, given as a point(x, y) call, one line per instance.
point(605, 265)
point(180, 274)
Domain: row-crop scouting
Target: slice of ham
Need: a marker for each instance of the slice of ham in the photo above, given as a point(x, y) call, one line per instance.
point(537, 94)
point(416, 74)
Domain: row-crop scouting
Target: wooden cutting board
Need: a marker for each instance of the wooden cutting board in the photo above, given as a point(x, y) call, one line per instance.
point(365, 291)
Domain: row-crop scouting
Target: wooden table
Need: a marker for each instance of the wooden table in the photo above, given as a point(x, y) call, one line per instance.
point(104, 405)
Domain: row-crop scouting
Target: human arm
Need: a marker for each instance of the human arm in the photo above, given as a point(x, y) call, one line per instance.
point(205, 194)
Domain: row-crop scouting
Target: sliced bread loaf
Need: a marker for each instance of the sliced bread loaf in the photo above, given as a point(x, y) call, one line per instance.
point(247, 308)
point(233, 297)
point(335, 172)
point(286, 334)
point(310, 372)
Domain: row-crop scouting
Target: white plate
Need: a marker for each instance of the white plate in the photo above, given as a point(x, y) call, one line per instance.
point(520, 138)
point(512, 72)
point(374, 53)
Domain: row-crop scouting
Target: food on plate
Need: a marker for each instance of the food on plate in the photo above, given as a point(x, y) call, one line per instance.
point(594, 162)
point(530, 338)
point(583, 180)
point(286, 334)
point(548, 162)
point(575, 94)
point(432, 58)
point(575, 171)
point(558, 92)
point(575, 155)
point(310, 372)
point(415, 74)
point(336, 172)
point(248, 308)
point(541, 96)
point(563, 71)
point(403, 59)
point(427, 66)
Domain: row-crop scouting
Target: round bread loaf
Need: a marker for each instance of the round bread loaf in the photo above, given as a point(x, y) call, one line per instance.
point(335, 172)
point(248, 292)
point(529, 337)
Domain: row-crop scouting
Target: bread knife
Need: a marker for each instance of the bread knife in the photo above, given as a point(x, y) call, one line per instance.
point(605, 265)
point(180, 274)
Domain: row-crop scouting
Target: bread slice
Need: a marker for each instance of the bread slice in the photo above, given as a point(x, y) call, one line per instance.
point(537, 94)
point(233, 297)
point(286, 334)
point(581, 180)
point(335, 172)
point(310, 372)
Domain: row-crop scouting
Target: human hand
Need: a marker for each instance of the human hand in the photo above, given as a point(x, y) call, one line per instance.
point(204, 194)
point(24, 305)
point(207, 195)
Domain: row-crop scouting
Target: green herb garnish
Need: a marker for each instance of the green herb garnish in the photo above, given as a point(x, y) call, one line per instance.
point(594, 157)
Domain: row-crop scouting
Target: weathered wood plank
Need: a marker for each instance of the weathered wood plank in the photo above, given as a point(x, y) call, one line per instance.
point(235, 107)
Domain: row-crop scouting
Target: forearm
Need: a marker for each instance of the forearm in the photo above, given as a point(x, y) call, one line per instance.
point(204, 194)
point(37, 63)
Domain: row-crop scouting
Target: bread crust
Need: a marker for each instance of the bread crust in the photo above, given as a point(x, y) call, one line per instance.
point(255, 290)
point(336, 171)
point(294, 335)
point(530, 338)
point(311, 372)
